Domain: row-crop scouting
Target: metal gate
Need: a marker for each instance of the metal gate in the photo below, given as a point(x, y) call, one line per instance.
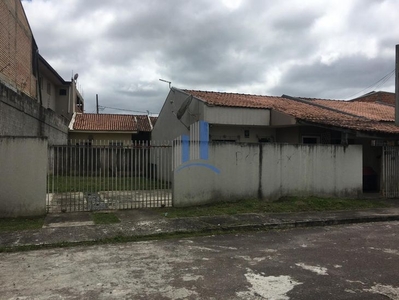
point(390, 172)
point(103, 175)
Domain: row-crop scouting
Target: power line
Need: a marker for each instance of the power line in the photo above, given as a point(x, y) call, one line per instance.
point(123, 109)
point(376, 84)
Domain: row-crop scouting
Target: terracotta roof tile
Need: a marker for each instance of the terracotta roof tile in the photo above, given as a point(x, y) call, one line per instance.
point(112, 122)
point(372, 117)
point(233, 99)
point(372, 111)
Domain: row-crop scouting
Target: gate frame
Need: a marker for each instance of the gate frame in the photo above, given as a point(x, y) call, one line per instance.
point(88, 175)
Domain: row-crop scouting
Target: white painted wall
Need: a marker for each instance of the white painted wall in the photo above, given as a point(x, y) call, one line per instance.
point(237, 133)
point(268, 171)
point(236, 116)
point(48, 96)
point(238, 178)
point(304, 170)
point(168, 127)
point(23, 163)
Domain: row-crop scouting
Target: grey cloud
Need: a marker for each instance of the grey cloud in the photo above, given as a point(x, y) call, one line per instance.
point(205, 45)
point(331, 81)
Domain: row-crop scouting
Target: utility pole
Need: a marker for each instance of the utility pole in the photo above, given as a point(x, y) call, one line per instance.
point(97, 103)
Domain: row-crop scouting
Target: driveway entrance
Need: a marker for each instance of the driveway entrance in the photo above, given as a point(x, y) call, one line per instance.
point(88, 176)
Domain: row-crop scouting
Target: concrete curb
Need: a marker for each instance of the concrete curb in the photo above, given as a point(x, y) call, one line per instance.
point(103, 234)
point(311, 223)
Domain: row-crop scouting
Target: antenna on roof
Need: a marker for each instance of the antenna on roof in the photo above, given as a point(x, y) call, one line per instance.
point(166, 81)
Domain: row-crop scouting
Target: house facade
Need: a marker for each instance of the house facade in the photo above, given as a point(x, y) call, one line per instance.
point(56, 94)
point(34, 100)
point(245, 118)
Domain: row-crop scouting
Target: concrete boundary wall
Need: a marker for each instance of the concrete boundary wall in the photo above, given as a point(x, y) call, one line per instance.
point(23, 165)
point(267, 171)
point(24, 116)
point(303, 170)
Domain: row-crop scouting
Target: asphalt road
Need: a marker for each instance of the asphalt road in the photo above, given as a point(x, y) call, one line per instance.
point(338, 262)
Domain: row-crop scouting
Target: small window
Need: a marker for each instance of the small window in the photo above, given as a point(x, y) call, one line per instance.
point(310, 140)
point(246, 133)
point(63, 92)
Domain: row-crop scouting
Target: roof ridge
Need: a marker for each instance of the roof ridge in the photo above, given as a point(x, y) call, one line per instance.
point(231, 93)
point(324, 107)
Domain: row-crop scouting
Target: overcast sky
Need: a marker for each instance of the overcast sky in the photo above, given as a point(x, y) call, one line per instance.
point(336, 49)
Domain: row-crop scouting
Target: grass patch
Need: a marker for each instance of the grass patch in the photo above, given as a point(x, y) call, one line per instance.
point(104, 218)
point(65, 184)
point(16, 224)
point(284, 204)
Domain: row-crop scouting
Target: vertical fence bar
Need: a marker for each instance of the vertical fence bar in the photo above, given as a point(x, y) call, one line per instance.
point(136, 177)
point(70, 175)
point(135, 172)
point(146, 174)
point(124, 174)
point(385, 172)
point(140, 188)
point(132, 174)
point(169, 165)
point(154, 178)
point(80, 173)
point(87, 164)
point(73, 172)
point(95, 180)
point(63, 206)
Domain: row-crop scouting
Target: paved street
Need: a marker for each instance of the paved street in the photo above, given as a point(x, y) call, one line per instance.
point(338, 262)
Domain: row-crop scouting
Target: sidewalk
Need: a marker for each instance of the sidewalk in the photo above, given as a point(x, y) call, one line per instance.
point(78, 227)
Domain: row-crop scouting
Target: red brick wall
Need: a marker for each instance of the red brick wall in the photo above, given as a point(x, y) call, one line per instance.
point(16, 48)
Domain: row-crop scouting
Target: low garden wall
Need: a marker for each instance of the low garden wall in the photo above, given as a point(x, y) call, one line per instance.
point(230, 172)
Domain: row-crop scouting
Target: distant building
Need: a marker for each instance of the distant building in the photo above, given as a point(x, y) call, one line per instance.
point(113, 129)
point(377, 97)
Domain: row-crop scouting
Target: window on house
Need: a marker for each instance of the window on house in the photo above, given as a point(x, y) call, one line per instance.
point(310, 139)
point(246, 133)
point(48, 88)
point(63, 92)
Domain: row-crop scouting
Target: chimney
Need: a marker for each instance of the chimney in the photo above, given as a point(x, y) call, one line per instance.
point(397, 87)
